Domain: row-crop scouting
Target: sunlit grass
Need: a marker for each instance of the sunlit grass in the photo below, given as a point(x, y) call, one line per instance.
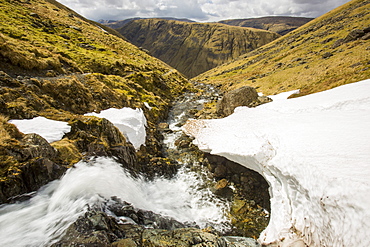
point(4, 135)
point(296, 60)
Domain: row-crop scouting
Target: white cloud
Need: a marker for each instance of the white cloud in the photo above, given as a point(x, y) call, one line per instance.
point(200, 10)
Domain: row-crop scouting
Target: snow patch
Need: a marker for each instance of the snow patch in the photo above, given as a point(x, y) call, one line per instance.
point(131, 122)
point(284, 95)
point(49, 129)
point(314, 151)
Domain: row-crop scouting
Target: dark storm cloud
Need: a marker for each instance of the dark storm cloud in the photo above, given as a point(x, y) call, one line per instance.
point(200, 10)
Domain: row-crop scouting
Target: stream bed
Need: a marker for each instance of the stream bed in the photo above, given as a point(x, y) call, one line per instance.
point(187, 198)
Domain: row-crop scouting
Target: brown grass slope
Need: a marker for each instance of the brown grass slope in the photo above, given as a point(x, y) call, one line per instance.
point(193, 48)
point(279, 24)
point(329, 51)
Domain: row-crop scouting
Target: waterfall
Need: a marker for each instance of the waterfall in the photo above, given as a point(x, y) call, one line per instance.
point(41, 220)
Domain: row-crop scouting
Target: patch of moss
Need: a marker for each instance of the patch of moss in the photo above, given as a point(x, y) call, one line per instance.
point(67, 151)
point(248, 220)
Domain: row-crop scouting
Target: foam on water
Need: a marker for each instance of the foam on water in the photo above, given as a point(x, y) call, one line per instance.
point(42, 219)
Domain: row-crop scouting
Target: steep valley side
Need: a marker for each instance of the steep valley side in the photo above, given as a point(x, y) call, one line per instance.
point(279, 24)
point(193, 48)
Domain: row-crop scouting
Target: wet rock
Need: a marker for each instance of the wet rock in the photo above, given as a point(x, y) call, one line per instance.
point(33, 165)
point(141, 217)
point(127, 242)
point(221, 188)
point(250, 184)
point(163, 126)
point(182, 237)
point(162, 167)
point(220, 171)
point(221, 184)
point(94, 228)
point(36, 146)
point(233, 241)
point(99, 137)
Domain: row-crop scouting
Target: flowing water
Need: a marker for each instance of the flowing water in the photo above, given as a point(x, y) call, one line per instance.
point(41, 220)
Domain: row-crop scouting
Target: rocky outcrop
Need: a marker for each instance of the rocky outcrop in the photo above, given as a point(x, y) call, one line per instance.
point(193, 48)
point(244, 96)
point(353, 35)
point(29, 162)
point(140, 228)
point(249, 196)
point(279, 24)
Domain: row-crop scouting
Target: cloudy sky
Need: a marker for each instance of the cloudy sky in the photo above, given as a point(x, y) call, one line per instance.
point(199, 10)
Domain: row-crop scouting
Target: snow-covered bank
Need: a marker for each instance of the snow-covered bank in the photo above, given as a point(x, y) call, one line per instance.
point(315, 153)
point(51, 130)
point(130, 122)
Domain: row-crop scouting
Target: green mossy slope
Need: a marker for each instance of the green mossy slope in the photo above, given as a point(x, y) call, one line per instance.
point(57, 64)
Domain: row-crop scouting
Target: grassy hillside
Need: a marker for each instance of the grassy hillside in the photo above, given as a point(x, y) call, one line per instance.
point(46, 41)
point(329, 51)
point(55, 63)
point(193, 48)
point(279, 24)
point(121, 23)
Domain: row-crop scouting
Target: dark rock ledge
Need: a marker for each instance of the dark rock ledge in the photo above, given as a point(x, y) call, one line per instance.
point(131, 227)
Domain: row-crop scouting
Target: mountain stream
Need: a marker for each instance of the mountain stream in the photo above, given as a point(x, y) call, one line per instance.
point(44, 217)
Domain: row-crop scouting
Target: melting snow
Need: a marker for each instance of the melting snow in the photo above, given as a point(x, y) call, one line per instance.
point(51, 130)
point(129, 121)
point(314, 151)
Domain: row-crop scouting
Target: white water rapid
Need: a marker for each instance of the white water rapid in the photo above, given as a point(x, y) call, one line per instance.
point(41, 220)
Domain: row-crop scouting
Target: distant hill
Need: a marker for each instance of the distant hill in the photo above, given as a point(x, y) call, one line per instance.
point(279, 24)
point(331, 50)
point(118, 24)
point(193, 48)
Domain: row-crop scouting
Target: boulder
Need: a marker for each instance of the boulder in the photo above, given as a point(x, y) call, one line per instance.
point(30, 164)
point(354, 35)
point(99, 137)
point(244, 96)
